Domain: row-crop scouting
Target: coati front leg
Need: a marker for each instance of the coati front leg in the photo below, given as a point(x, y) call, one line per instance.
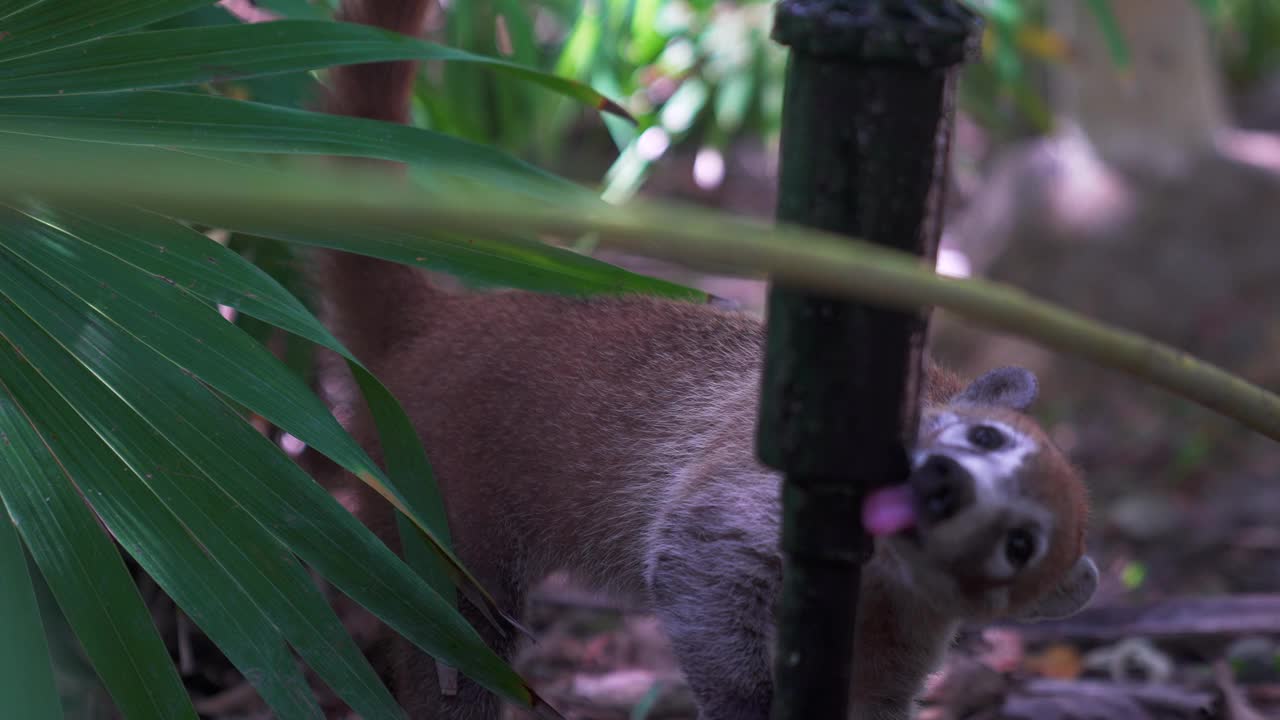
point(715, 591)
point(989, 524)
point(899, 640)
point(416, 685)
point(412, 675)
point(713, 575)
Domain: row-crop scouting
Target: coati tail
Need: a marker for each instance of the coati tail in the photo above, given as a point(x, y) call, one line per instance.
point(371, 303)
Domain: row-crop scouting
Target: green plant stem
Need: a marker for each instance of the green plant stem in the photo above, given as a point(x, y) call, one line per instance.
point(254, 200)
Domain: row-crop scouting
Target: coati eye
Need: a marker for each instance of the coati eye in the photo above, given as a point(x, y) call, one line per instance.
point(1019, 546)
point(986, 437)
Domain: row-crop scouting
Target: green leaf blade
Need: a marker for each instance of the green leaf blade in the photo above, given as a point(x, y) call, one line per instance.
point(196, 122)
point(26, 675)
point(197, 541)
point(195, 264)
point(163, 546)
point(206, 122)
point(201, 267)
point(270, 487)
point(86, 573)
point(191, 56)
point(189, 333)
point(47, 25)
point(201, 342)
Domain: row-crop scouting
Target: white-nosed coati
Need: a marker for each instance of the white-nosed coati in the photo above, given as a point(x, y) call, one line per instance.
point(613, 437)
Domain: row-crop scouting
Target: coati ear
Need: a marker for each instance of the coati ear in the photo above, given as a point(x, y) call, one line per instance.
point(1070, 595)
point(1012, 387)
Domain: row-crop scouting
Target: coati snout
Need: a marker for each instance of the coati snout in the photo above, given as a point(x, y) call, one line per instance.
point(941, 488)
point(992, 513)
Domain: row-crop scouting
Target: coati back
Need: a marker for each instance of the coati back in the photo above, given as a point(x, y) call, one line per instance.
point(613, 437)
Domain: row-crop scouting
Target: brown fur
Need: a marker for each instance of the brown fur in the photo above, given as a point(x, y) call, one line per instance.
point(1068, 542)
point(375, 296)
point(613, 437)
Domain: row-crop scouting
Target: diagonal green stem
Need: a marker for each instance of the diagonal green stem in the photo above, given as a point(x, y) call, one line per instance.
point(250, 199)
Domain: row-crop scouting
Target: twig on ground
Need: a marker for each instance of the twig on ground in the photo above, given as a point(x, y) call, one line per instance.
point(1166, 619)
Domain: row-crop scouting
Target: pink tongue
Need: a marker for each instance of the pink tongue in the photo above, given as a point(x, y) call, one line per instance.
point(888, 510)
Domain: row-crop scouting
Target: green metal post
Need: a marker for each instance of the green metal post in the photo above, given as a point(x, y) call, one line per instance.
point(866, 128)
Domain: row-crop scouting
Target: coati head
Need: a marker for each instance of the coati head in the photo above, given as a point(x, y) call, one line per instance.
point(991, 520)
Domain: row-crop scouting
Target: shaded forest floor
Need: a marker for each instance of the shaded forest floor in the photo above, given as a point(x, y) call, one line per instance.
point(1208, 659)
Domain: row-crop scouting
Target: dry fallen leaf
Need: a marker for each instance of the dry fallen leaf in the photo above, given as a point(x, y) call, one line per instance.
point(1059, 661)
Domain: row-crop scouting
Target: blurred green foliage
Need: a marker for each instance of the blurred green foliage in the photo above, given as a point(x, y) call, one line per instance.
point(1004, 92)
point(698, 73)
point(1248, 38)
point(690, 71)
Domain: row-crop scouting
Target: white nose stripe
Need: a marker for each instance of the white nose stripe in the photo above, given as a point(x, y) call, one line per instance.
point(985, 477)
point(989, 469)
